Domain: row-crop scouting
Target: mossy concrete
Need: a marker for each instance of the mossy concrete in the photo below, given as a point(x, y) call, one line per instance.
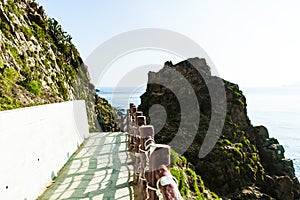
point(100, 169)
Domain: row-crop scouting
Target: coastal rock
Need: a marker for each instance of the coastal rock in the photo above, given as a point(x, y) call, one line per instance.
point(280, 187)
point(250, 192)
point(245, 160)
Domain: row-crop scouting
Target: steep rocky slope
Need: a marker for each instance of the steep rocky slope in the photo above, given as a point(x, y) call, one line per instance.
point(245, 163)
point(39, 64)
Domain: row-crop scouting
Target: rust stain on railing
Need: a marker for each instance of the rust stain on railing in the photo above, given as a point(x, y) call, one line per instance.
point(152, 161)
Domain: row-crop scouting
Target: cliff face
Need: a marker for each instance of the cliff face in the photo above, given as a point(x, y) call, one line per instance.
point(38, 62)
point(245, 163)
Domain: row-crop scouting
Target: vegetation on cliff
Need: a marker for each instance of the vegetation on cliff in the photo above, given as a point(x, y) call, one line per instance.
point(39, 64)
point(191, 186)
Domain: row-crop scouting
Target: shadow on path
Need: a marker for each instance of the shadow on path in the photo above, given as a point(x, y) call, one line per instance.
point(100, 169)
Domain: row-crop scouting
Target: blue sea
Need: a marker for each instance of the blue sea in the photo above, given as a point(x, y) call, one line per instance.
point(278, 109)
point(121, 97)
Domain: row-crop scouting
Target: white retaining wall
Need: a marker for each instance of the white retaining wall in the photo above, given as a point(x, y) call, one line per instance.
point(35, 143)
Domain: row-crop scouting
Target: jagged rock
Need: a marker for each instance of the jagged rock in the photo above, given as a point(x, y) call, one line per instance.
point(250, 192)
point(280, 187)
point(244, 156)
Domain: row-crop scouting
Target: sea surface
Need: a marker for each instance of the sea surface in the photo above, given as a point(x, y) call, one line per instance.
point(278, 109)
point(121, 97)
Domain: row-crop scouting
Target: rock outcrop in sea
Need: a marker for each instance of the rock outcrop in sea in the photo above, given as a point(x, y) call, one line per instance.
point(245, 163)
point(39, 64)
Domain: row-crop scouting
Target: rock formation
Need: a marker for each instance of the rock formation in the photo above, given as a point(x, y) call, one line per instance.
point(245, 163)
point(39, 64)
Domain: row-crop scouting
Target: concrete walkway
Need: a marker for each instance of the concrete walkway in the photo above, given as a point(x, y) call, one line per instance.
point(101, 169)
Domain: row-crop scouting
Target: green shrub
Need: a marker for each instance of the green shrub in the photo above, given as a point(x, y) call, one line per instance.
point(5, 28)
point(63, 91)
point(34, 87)
point(181, 179)
point(70, 72)
point(238, 153)
point(7, 103)
point(214, 195)
point(246, 141)
point(10, 6)
point(239, 145)
point(5, 84)
point(255, 157)
point(15, 53)
point(61, 39)
point(195, 187)
point(241, 102)
point(237, 94)
point(226, 142)
point(254, 148)
point(27, 31)
point(26, 72)
point(11, 74)
point(174, 158)
point(262, 172)
point(40, 33)
point(184, 160)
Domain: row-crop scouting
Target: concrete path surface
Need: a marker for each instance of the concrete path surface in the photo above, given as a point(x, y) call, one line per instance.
point(101, 169)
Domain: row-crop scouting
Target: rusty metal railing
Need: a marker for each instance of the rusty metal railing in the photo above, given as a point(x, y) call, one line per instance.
point(152, 161)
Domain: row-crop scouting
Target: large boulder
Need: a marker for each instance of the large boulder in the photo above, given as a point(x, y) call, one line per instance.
point(243, 157)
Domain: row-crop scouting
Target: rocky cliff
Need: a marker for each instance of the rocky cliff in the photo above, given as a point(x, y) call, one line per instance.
point(245, 163)
point(40, 65)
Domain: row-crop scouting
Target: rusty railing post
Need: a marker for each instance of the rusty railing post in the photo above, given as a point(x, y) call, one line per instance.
point(159, 155)
point(131, 133)
point(152, 161)
point(140, 121)
point(147, 138)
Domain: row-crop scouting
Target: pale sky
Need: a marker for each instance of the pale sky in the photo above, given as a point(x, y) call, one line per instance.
point(252, 43)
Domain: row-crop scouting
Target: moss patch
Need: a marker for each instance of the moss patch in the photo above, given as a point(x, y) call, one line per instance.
point(190, 184)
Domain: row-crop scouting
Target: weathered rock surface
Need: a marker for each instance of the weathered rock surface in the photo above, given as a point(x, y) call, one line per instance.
point(38, 62)
point(245, 163)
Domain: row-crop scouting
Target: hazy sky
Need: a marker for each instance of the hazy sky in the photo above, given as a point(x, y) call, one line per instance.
point(252, 43)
